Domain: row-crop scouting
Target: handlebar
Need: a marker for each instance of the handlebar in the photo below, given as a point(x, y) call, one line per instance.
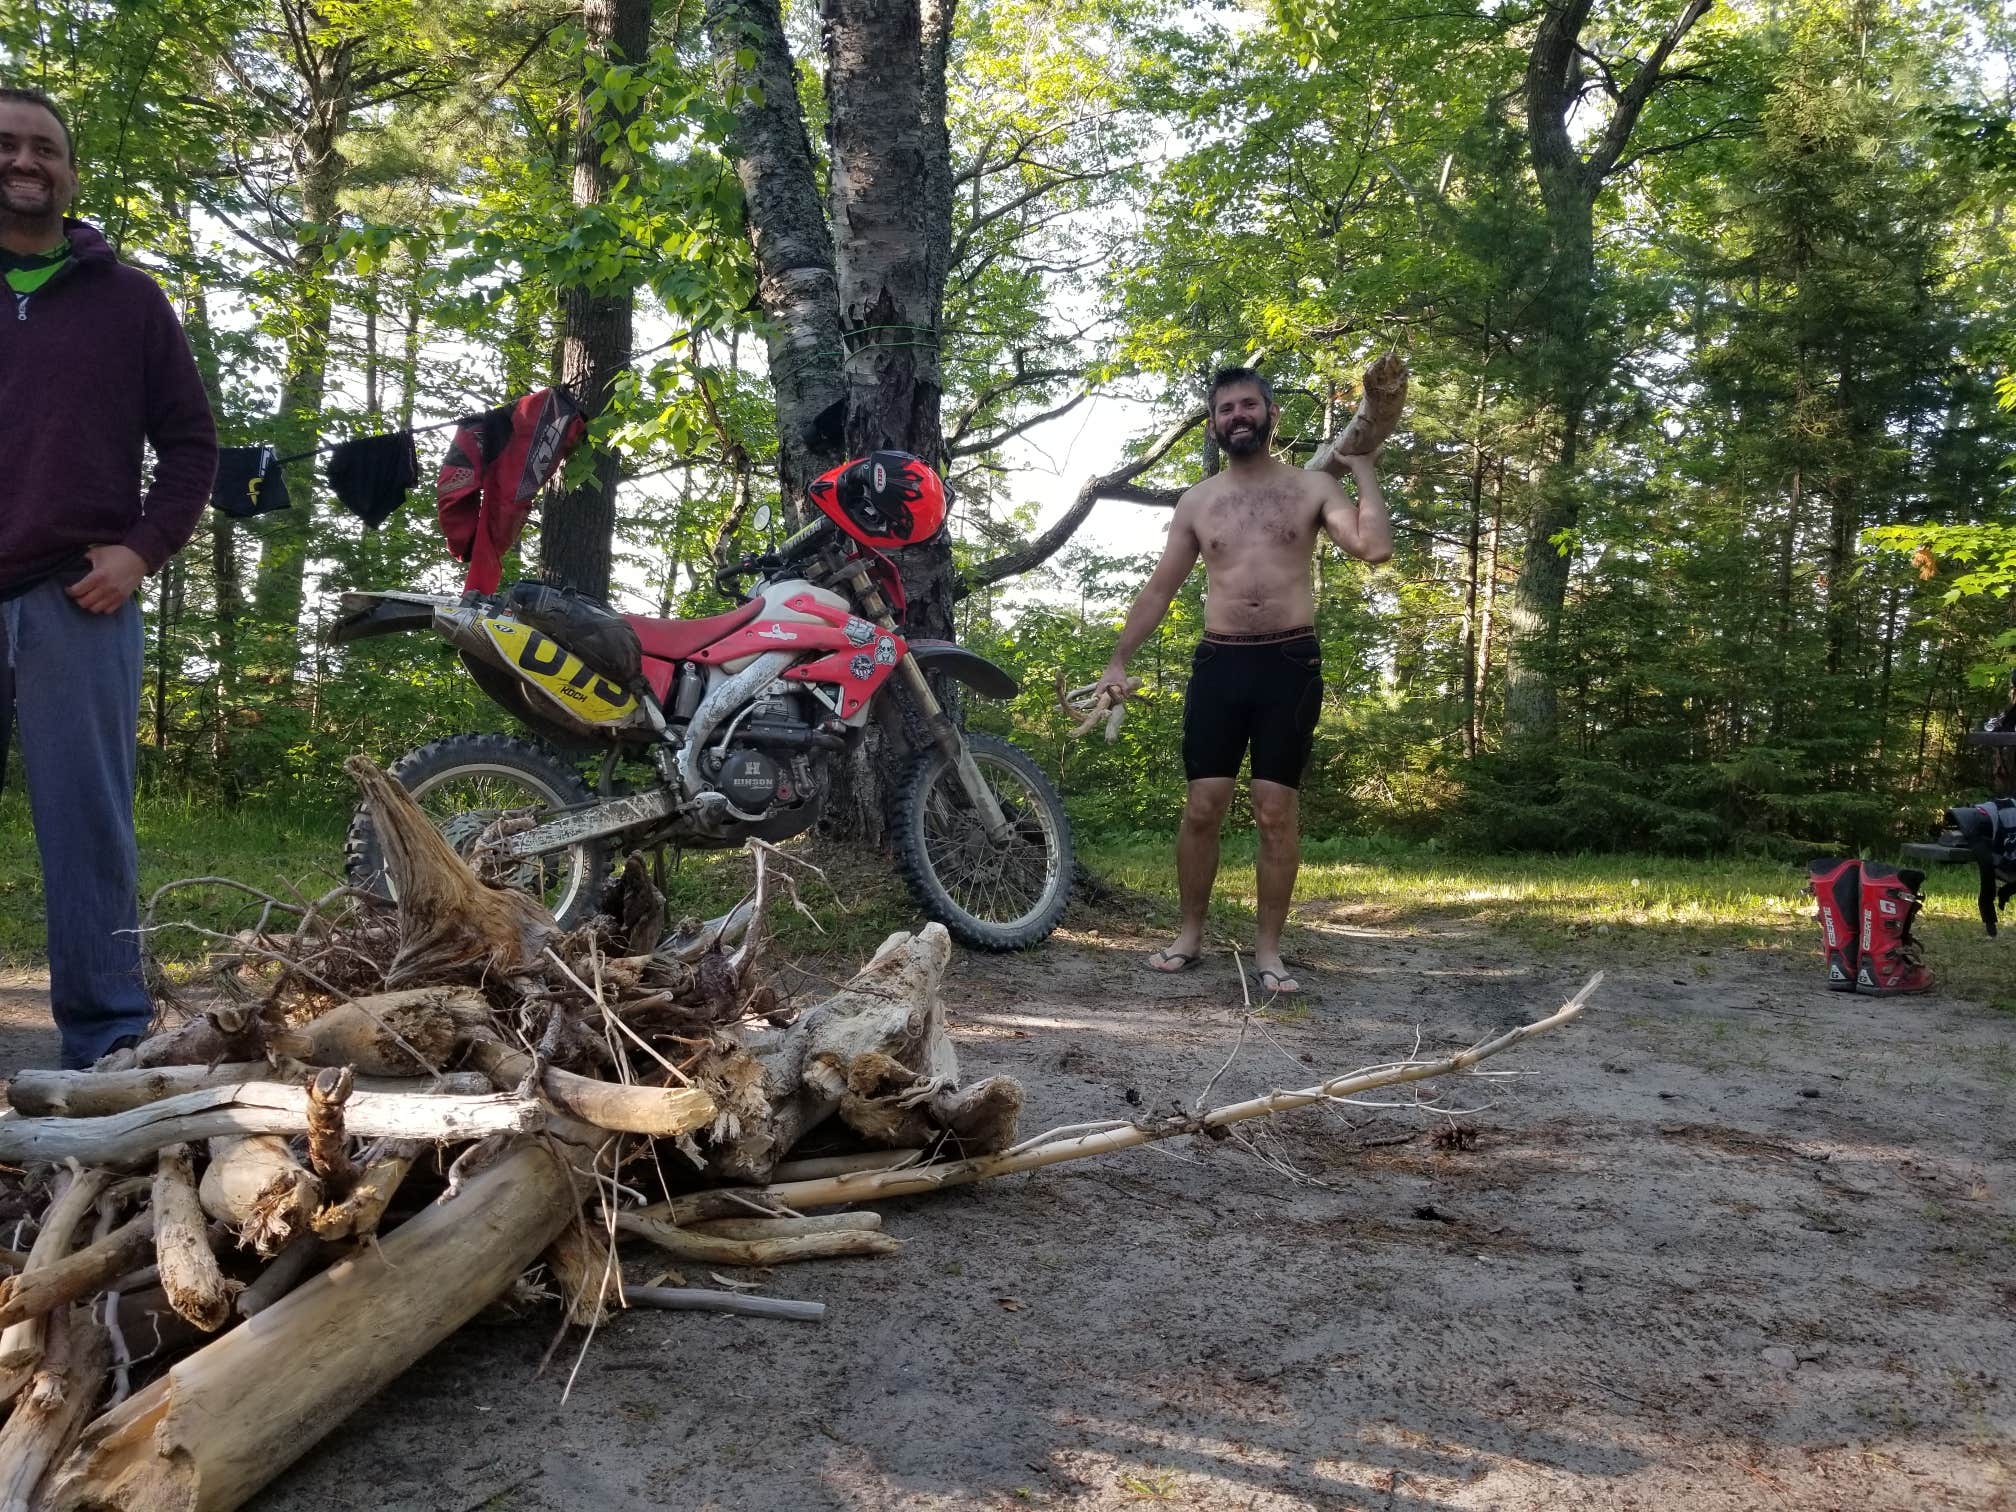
point(729, 577)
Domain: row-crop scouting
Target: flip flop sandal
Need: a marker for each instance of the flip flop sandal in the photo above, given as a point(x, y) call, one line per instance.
point(1184, 962)
point(1270, 983)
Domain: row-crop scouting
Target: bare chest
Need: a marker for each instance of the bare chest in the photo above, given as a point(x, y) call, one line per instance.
point(1261, 522)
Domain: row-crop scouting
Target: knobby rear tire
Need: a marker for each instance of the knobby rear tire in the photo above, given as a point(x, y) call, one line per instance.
point(535, 765)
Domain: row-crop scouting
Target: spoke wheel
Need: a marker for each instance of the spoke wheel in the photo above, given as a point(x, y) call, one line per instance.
point(993, 894)
point(471, 786)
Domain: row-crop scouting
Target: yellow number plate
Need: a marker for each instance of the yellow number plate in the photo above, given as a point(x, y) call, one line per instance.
point(558, 673)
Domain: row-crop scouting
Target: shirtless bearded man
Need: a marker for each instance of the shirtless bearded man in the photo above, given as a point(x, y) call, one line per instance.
point(1257, 677)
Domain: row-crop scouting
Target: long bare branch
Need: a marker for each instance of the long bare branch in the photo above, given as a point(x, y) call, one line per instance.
point(1035, 552)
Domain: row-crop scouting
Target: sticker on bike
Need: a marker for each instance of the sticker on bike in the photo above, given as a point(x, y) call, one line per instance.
point(559, 674)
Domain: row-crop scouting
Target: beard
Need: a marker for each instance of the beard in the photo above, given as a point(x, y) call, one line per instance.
point(27, 195)
point(1244, 440)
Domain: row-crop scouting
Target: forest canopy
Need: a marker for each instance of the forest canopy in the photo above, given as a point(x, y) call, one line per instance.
point(1703, 501)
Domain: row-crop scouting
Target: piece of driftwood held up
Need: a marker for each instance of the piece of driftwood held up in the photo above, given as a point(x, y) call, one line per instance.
point(1376, 418)
point(1095, 704)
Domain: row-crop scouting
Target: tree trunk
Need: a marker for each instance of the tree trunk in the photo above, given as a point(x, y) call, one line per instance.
point(891, 244)
point(577, 537)
point(795, 279)
point(286, 535)
point(1575, 364)
point(1487, 617)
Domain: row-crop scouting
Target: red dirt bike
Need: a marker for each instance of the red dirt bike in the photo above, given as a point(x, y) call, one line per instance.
point(715, 731)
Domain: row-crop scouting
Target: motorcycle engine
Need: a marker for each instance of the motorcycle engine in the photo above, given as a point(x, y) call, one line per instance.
point(766, 762)
point(750, 779)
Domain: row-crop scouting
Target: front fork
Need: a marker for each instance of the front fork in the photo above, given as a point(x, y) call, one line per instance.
point(944, 733)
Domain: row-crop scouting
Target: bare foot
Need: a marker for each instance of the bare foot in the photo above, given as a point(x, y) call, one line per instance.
point(1181, 956)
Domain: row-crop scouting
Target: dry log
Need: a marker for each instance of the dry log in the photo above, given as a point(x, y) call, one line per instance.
point(77, 1194)
point(221, 1423)
point(95, 1094)
point(259, 1188)
point(359, 1214)
point(708, 1249)
point(190, 1276)
point(887, 1103)
point(662, 1112)
point(53, 1408)
point(378, 1035)
point(691, 1299)
point(1377, 416)
point(289, 1267)
point(229, 1033)
point(42, 1289)
point(328, 1149)
point(246, 1108)
point(787, 1228)
point(842, 1165)
point(453, 926)
point(585, 1271)
point(1046, 1150)
point(891, 1008)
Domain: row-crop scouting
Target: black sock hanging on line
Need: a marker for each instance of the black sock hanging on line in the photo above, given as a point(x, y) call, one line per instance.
point(371, 475)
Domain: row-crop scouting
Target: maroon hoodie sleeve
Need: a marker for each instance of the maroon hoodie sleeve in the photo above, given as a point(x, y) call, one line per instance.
point(184, 437)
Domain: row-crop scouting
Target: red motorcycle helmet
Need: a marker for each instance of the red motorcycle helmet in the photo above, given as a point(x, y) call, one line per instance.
point(885, 499)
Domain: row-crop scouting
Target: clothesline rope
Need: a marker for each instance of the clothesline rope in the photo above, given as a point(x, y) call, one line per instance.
point(438, 425)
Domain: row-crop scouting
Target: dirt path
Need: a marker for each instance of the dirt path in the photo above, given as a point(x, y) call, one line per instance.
point(1733, 1243)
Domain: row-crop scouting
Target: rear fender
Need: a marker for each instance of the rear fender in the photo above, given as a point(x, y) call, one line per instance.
point(363, 615)
point(968, 667)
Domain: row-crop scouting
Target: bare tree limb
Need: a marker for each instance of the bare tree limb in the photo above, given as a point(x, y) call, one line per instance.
point(1035, 552)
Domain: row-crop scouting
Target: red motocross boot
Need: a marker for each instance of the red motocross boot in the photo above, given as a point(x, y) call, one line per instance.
point(1891, 960)
point(1838, 887)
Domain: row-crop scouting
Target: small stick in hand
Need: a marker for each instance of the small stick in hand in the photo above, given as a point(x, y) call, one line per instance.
point(1094, 703)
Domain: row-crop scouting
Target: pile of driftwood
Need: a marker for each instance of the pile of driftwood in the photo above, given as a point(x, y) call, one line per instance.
point(397, 1114)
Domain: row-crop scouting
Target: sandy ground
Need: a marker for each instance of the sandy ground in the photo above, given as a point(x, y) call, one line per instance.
point(1732, 1242)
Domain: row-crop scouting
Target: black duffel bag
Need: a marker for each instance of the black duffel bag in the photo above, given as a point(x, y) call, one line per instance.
point(587, 627)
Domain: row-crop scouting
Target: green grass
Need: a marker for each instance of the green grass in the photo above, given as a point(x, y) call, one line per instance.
point(1605, 909)
point(291, 852)
point(268, 846)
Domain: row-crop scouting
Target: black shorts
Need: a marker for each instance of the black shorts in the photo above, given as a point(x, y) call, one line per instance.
point(1266, 695)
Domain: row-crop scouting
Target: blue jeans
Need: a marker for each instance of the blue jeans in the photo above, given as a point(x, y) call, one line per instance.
point(70, 687)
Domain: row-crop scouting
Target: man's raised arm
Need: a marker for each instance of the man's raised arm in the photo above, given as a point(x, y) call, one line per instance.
point(1153, 601)
point(1362, 529)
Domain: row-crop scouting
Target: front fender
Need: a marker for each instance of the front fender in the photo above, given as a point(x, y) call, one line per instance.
point(969, 667)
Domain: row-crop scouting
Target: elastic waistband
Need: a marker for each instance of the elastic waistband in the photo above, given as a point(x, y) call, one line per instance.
point(1260, 638)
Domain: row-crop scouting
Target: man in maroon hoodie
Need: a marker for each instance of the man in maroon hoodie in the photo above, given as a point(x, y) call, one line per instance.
point(93, 367)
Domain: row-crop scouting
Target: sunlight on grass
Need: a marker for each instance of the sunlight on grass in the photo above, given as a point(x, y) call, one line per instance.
point(1606, 909)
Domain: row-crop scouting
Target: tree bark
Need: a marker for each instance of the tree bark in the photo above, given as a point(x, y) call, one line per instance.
point(891, 240)
point(577, 536)
point(285, 537)
point(1576, 365)
point(795, 279)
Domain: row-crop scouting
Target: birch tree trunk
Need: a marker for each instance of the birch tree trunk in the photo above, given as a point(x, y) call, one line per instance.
point(577, 534)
